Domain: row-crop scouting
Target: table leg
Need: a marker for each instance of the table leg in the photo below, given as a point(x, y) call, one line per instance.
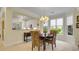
point(24, 37)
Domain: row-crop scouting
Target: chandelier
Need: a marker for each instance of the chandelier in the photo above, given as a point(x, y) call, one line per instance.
point(44, 19)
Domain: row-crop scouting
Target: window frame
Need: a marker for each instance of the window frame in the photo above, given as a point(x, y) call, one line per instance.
point(58, 25)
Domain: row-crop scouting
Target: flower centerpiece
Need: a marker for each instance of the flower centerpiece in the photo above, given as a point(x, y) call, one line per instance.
point(45, 30)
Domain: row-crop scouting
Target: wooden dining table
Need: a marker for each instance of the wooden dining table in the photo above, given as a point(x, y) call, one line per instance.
point(44, 39)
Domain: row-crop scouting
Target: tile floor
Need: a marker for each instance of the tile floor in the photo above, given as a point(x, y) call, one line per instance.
point(61, 46)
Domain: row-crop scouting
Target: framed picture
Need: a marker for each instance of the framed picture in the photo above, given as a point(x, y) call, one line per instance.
point(77, 18)
point(77, 25)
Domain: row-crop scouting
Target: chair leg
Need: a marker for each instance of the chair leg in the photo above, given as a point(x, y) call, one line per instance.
point(32, 47)
point(52, 46)
point(39, 48)
point(55, 44)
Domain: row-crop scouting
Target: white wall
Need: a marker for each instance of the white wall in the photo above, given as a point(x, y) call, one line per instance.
point(0, 27)
point(12, 37)
point(76, 30)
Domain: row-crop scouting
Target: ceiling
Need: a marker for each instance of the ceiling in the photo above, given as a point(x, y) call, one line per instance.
point(37, 12)
point(48, 11)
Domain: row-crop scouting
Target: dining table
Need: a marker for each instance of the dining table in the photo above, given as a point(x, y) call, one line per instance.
point(26, 35)
point(45, 38)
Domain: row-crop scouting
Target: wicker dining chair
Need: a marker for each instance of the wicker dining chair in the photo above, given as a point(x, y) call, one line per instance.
point(53, 40)
point(36, 42)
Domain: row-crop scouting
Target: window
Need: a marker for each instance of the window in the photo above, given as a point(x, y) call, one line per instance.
point(45, 25)
point(69, 20)
point(60, 25)
point(53, 23)
point(57, 23)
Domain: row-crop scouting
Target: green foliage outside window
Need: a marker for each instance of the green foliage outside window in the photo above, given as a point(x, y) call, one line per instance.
point(57, 30)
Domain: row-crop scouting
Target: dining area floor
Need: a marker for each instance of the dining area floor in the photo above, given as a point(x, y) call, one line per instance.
point(27, 46)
